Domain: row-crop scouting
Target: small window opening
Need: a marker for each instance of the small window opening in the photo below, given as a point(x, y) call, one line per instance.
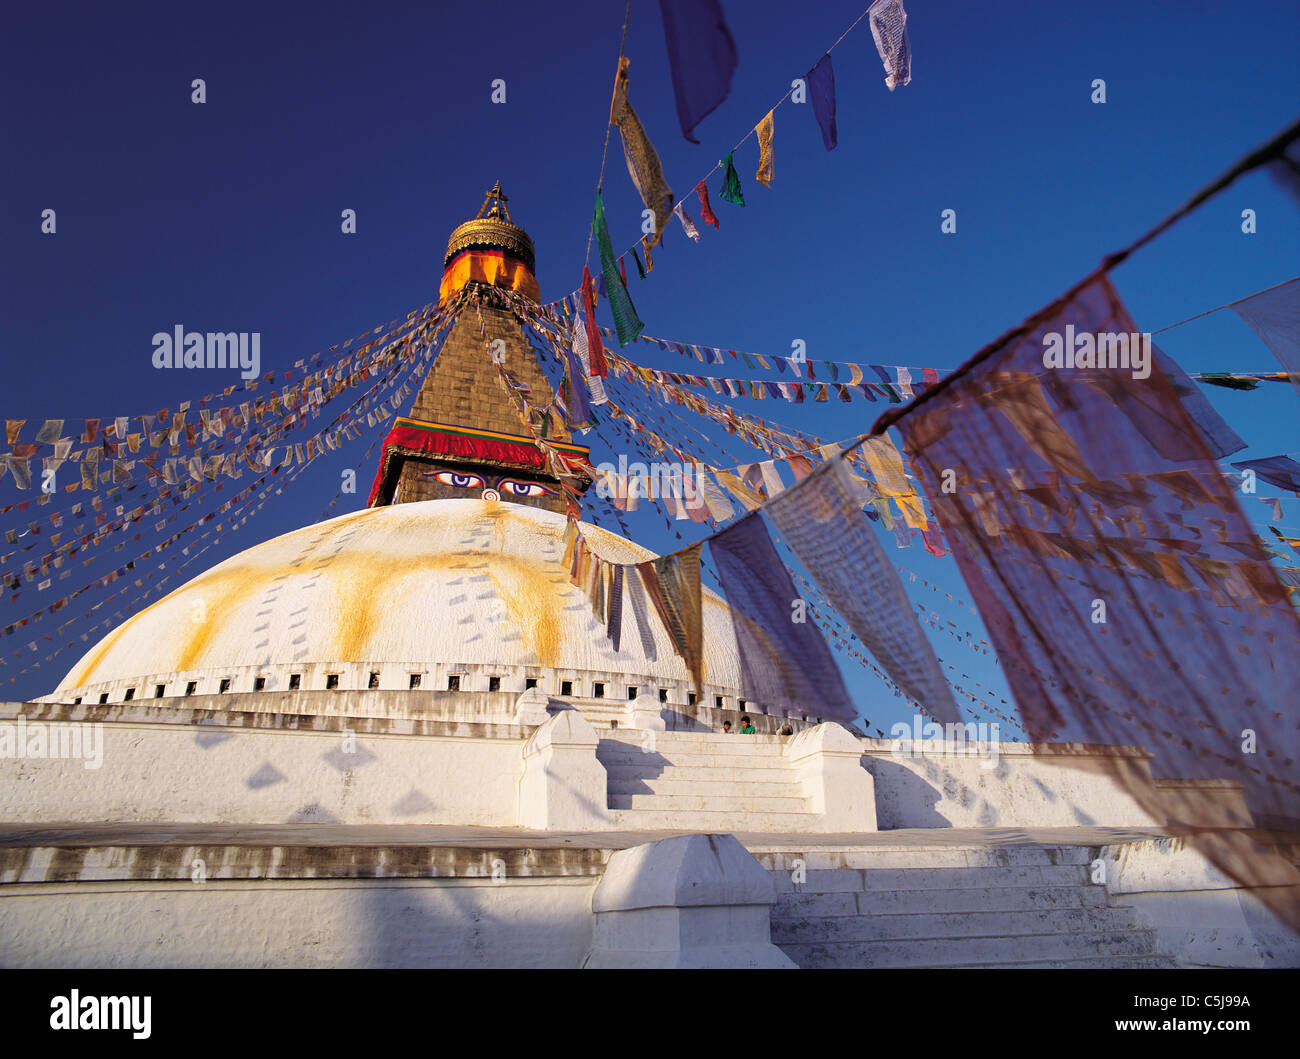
point(191, 687)
point(566, 687)
point(224, 686)
point(453, 682)
point(331, 681)
point(415, 681)
point(598, 691)
point(130, 694)
point(663, 694)
point(631, 691)
point(259, 683)
point(158, 690)
point(691, 698)
point(374, 680)
point(103, 698)
point(530, 682)
point(295, 681)
point(494, 683)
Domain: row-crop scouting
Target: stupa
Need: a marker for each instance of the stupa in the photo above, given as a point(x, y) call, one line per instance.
point(400, 737)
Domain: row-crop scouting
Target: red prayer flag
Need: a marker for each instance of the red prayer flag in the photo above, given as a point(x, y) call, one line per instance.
point(595, 348)
point(706, 211)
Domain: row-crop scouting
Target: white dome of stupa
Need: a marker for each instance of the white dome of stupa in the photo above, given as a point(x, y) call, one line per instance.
point(465, 588)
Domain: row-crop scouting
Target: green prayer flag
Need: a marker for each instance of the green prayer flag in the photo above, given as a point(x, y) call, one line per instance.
point(626, 320)
point(1230, 382)
point(730, 189)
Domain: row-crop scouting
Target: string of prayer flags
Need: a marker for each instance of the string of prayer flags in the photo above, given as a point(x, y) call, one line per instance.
point(889, 28)
point(642, 160)
point(730, 189)
point(1178, 644)
point(688, 225)
point(784, 661)
point(701, 57)
point(821, 91)
point(764, 129)
point(673, 585)
point(706, 213)
point(821, 521)
point(1274, 315)
point(626, 320)
point(1281, 471)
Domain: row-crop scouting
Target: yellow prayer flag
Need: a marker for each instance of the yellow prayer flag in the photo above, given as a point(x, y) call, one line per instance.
point(764, 129)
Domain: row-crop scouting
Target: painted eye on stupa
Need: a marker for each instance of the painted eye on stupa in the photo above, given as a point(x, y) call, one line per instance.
point(460, 481)
point(513, 488)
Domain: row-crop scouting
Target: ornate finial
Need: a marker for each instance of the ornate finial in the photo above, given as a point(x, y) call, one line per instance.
point(498, 199)
point(492, 229)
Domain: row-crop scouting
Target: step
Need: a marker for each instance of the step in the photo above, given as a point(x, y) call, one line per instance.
point(712, 823)
point(1096, 963)
point(926, 857)
point(671, 784)
point(727, 804)
point(697, 740)
point(631, 755)
point(809, 930)
point(963, 952)
point(871, 880)
point(905, 902)
point(633, 770)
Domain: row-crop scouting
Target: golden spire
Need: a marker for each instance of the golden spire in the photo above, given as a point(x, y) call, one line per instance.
point(492, 229)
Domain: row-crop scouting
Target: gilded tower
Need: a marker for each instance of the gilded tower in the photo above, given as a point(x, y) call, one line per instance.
point(465, 436)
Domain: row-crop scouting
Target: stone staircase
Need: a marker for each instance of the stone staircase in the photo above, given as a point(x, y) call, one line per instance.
point(702, 781)
point(1000, 906)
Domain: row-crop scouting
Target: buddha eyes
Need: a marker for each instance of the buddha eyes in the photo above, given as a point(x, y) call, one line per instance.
point(514, 488)
point(460, 481)
point(507, 486)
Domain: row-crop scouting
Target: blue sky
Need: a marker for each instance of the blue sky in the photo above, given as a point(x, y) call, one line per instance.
point(225, 216)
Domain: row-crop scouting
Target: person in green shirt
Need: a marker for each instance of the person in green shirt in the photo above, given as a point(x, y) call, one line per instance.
point(746, 726)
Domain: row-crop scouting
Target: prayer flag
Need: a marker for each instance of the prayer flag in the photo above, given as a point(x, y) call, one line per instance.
point(1274, 315)
point(706, 212)
point(889, 28)
point(701, 56)
point(785, 664)
point(730, 189)
point(1083, 634)
point(626, 320)
point(821, 90)
point(642, 161)
point(688, 226)
point(765, 129)
point(821, 521)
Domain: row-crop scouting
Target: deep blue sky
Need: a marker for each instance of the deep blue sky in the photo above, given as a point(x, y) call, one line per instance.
point(225, 216)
